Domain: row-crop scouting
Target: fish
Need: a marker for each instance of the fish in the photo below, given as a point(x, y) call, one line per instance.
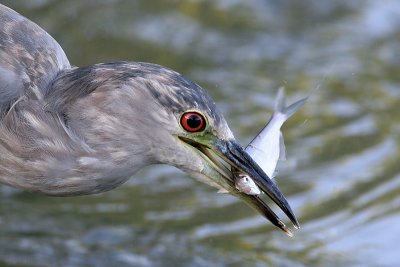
point(245, 184)
point(268, 146)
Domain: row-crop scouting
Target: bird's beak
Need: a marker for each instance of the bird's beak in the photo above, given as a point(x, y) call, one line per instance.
point(221, 157)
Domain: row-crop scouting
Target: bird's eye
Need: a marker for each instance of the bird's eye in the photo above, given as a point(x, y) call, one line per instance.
point(193, 122)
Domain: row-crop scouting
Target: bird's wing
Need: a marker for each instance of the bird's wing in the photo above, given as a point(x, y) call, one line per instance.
point(29, 59)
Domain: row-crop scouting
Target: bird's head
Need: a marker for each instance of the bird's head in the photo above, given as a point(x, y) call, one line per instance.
point(177, 123)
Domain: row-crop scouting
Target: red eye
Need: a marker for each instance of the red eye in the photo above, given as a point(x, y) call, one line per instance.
point(193, 122)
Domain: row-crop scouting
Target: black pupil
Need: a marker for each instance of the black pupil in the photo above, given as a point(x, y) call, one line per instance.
point(193, 121)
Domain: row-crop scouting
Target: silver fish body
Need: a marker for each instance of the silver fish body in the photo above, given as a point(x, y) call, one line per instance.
point(268, 146)
point(245, 184)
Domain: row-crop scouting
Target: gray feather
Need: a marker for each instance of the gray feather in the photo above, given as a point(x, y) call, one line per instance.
point(29, 58)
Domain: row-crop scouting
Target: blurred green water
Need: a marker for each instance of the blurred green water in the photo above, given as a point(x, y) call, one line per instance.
point(342, 173)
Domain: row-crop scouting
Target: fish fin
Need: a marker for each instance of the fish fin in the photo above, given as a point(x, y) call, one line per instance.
point(290, 110)
point(280, 100)
point(222, 191)
point(280, 106)
point(282, 148)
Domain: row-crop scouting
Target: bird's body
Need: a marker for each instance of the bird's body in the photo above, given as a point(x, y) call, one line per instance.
point(44, 132)
point(66, 130)
point(79, 134)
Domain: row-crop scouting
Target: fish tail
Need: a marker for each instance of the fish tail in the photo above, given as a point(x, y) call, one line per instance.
point(281, 107)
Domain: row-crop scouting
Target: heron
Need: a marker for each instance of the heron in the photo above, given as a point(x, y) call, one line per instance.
point(68, 130)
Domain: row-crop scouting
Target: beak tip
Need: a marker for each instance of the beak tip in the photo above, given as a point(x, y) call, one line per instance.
point(284, 228)
point(288, 232)
point(284, 205)
point(294, 220)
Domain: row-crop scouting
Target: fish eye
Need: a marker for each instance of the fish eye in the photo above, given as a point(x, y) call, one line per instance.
point(193, 122)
